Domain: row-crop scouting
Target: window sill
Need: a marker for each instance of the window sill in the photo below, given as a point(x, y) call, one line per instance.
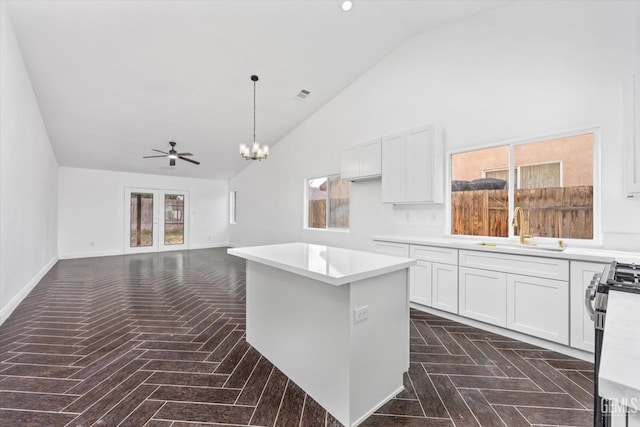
point(330, 230)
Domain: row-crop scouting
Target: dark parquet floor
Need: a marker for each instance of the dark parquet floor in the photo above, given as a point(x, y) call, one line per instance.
point(157, 340)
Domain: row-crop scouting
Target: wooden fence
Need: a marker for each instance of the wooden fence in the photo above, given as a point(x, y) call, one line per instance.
point(562, 212)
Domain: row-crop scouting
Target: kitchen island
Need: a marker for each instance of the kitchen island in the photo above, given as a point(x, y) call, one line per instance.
point(334, 320)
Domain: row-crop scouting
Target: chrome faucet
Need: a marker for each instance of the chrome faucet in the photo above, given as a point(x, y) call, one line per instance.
point(518, 221)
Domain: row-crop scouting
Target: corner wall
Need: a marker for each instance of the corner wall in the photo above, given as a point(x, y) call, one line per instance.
point(28, 180)
point(92, 210)
point(523, 70)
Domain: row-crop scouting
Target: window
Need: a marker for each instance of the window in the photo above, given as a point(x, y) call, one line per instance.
point(327, 203)
point(232, 207)
point(551, 179)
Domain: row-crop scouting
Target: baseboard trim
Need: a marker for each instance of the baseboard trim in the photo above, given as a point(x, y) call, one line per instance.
point(569, 351)
point(116, 253)
point(210, 245)
point(90, 254)
point(17, 299)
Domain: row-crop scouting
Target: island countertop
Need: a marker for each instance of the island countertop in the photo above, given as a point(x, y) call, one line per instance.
point(335, 266)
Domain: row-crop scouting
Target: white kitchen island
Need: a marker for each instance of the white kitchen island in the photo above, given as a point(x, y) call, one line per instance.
point(335, 321)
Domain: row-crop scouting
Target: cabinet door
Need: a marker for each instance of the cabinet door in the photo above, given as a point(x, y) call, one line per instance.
point(350, 167)
point(444, 287)
point(419, 165)
point(483, 295)
point(538, 307)
point(393, 168)
point(371, 158)
point(420, 283)
point(582, 328)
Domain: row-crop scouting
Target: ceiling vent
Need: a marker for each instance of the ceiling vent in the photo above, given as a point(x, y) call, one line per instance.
point(303, 94)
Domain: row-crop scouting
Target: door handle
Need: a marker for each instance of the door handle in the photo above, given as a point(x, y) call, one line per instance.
point(590, 295)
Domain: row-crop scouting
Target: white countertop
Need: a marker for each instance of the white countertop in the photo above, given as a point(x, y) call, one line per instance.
point(335, 266)
point(569, 253)
point(619, 374)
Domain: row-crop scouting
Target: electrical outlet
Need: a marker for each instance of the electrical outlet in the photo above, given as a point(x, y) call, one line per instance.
point(361, 314)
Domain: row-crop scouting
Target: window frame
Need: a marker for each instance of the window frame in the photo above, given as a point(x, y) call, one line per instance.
point(305, 210)
point(597, 192)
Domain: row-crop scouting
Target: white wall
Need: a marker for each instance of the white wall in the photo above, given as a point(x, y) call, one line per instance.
point(526, 69)
point(28, 180)
point(91, 210)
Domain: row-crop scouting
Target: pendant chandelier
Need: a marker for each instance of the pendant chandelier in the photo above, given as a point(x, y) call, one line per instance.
point(257, 151)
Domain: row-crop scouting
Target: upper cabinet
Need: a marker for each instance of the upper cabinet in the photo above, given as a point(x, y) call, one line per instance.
point(362, 161)
point(412, 167)
point(633, 139)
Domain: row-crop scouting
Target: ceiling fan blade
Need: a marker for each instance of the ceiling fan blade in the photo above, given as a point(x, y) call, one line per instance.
point(189, 160)
point(172, 162)
point(148, 157)
point(185, 154)
point(160, 151)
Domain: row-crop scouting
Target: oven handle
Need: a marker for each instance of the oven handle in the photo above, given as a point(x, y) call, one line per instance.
point(590, 295)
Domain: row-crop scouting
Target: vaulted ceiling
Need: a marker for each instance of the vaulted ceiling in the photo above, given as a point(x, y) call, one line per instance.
point(115, 79)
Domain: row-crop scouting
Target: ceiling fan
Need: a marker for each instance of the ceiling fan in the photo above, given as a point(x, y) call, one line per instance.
point(173, 155)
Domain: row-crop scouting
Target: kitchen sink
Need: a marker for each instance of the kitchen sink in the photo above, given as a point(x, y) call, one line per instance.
point(516, 245)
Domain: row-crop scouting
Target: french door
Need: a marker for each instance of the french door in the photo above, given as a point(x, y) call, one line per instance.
point(155, 220)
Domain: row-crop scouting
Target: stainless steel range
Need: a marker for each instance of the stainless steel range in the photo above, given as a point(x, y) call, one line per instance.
point(617, 277)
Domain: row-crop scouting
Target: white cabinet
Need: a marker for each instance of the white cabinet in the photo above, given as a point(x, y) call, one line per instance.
point(393, 170)
point(420, 283)
point(392, 248)
point(483, 295)
point(434, 280)
point(362, 161)
point(412, 167)
point(444, 291)
point(539, 307)
point(582, 330)
point(523, 293)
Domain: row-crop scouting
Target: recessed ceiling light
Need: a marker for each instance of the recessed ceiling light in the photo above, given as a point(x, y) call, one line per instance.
point(347, 5)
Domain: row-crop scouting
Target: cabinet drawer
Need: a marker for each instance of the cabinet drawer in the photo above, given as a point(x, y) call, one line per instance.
point(394, 249)
point(434, 253)
point(549, 268)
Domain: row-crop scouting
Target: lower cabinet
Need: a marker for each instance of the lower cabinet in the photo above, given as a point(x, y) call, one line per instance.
point(539, 307)
point(421, 283)
point(434, 281)
point(444, 291)
point(582, 330)
point(532, 305)
point(483, 295)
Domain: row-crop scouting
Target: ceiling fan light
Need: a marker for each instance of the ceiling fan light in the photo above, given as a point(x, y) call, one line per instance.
point(172, 156)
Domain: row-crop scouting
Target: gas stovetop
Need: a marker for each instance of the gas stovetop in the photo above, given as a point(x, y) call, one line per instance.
point(623, 276)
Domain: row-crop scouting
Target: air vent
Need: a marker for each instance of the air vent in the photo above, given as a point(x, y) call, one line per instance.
point(303, 94)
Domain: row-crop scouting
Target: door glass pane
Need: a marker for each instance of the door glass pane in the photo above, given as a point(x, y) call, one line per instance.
point(338, 202)
point(141, 220)
point(317, 198)
point(173, 219)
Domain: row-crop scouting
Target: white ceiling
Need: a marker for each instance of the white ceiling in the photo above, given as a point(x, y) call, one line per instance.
point(115, 79)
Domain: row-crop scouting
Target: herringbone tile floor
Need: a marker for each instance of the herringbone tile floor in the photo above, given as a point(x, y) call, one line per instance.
point(158, 340)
